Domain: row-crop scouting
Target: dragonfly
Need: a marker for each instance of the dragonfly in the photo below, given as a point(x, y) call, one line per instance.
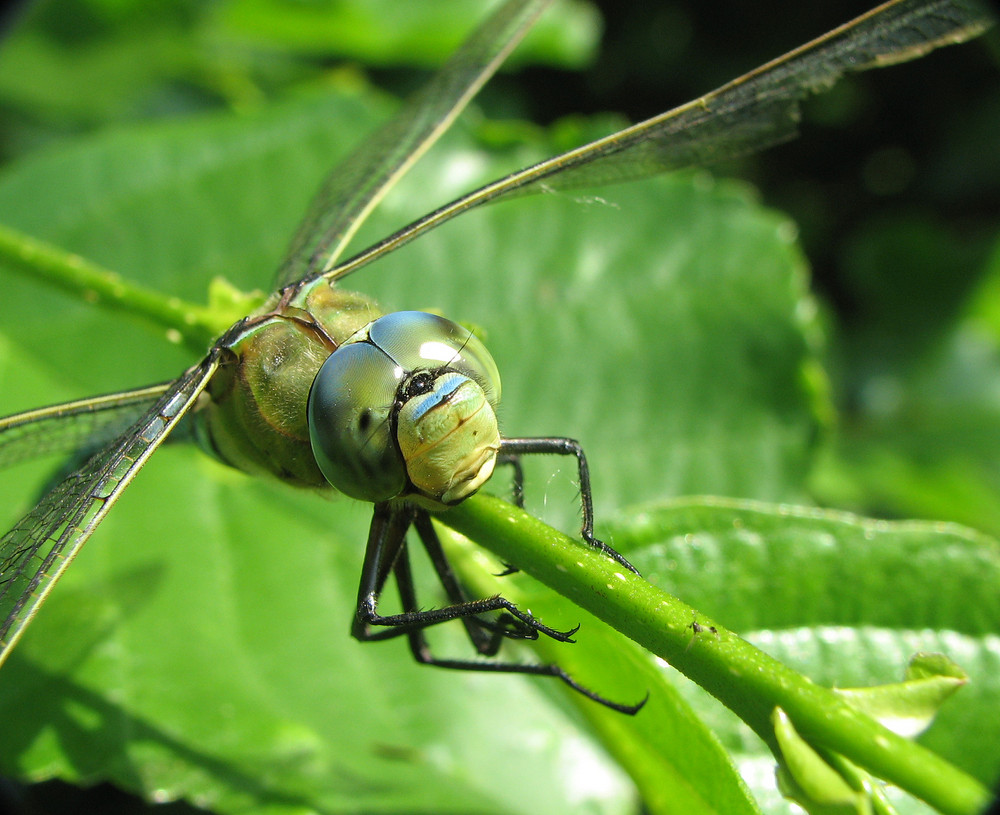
point(319, 389)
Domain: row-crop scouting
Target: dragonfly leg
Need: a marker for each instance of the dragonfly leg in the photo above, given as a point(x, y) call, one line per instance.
point(514, 448)
point(513, 460)
point(517, 489)
point(422, 653)
point(505, 626)
point(387, 552)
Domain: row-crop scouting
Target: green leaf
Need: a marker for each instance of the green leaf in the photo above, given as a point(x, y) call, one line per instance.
point(909, 707)
point(211, 651)
point(676, 762)
point(382, 32)
point(849, 600)
point(77, 64)
point(744, 678)
point(198, 647)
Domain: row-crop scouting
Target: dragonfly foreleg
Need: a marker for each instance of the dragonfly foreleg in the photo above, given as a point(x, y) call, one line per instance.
point(387, 552)
point(517, 497)
point(511, 449)
point(513, 461)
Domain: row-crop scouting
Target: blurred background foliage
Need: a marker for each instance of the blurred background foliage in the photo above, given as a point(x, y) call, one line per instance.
point(895, 189)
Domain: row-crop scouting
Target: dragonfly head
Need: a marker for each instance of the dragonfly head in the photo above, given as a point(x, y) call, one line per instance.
point(406, 408)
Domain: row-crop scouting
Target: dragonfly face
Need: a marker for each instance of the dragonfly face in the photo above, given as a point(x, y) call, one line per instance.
point(406, 409)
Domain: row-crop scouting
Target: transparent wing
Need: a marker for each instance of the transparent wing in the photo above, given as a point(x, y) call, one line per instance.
point(34, 554)
point(360, 181)
point(72, 426)
point(755, 111)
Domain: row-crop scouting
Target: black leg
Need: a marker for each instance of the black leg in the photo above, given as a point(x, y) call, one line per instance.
point(512, 448)
point(517, 482)
point(386, 539)
point(504, 626)
point(386, 552)
point(517, 485)
point(422, 653)
point(386, 549)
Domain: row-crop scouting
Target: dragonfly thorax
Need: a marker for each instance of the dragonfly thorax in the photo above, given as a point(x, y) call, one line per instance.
point(255, 417)
point(406, 409)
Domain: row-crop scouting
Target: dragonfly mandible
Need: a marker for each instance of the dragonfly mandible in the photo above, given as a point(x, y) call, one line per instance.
point(266, 417)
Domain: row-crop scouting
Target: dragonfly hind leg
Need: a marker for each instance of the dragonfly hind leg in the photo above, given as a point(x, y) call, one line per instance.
point(387, 553)
point(512, 449)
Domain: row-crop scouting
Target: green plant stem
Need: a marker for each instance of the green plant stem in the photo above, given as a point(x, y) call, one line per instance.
point(197, 326)
point(745, 679)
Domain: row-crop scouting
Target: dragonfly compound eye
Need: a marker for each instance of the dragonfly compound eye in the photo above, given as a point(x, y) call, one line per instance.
point(349, 423)
point(428, 381)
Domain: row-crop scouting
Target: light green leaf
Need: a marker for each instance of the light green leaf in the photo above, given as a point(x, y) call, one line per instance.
point(382, 32)
point(909, 707)
point(212, 651)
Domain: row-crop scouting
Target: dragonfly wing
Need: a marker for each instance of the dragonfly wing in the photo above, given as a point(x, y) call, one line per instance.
point(360, 181)
point(762, 108)
point(84, 424)
point(34, 554)
point(755, 111)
